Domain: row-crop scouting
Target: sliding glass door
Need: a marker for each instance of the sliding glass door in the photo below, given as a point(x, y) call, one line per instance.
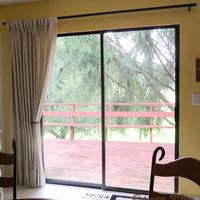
point(111, 102)
point(72, 142)
point(139, 71)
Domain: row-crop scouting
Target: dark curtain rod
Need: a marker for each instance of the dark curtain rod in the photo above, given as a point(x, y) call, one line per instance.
point(189, 6)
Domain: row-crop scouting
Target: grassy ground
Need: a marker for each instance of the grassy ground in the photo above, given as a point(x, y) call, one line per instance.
point(123, 135)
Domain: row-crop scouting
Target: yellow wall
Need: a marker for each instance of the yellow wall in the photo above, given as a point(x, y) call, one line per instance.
point(189, 50)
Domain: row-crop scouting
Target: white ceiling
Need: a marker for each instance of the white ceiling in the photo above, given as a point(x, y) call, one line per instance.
point(7, 2)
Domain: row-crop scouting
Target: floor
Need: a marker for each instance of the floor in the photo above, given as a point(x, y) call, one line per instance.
point(127, 163)
point(59, 192)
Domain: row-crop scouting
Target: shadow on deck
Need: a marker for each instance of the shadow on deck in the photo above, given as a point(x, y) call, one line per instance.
point(127, 163)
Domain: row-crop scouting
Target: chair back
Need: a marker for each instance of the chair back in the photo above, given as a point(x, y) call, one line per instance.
point(184, 167)
point(9, 159)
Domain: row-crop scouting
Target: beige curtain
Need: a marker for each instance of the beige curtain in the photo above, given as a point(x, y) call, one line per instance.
point(32, 44)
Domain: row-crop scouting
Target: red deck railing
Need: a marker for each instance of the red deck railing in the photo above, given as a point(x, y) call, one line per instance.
point(73, 112)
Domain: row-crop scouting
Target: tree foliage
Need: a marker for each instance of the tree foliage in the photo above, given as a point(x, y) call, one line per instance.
point(139, 67)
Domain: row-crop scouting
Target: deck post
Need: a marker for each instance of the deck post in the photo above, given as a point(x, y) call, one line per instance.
point(71, 133)
point(151, 124)
point(73, 122)
point(106, 122)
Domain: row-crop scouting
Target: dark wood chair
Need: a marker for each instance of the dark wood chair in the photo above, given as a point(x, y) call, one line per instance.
point(184, 167)
point(9, 159)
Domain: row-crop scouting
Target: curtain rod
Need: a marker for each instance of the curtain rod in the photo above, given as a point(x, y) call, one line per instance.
point(189, 6)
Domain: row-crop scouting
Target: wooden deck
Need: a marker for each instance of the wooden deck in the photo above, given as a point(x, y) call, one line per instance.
point(127, 164)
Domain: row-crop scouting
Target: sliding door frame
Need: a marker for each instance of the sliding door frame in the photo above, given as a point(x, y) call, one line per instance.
point(177, 63)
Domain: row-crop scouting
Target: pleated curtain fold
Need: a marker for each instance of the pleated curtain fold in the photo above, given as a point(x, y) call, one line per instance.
point(32, 45)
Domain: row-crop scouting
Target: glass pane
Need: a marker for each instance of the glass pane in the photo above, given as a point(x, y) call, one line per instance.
point(72, 118)
point(140, 98)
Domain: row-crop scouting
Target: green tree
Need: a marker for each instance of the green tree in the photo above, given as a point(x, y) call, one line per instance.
point(139, 67)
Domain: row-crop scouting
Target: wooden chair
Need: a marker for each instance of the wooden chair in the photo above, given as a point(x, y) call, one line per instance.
point(184, 167)
point(9, 159)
